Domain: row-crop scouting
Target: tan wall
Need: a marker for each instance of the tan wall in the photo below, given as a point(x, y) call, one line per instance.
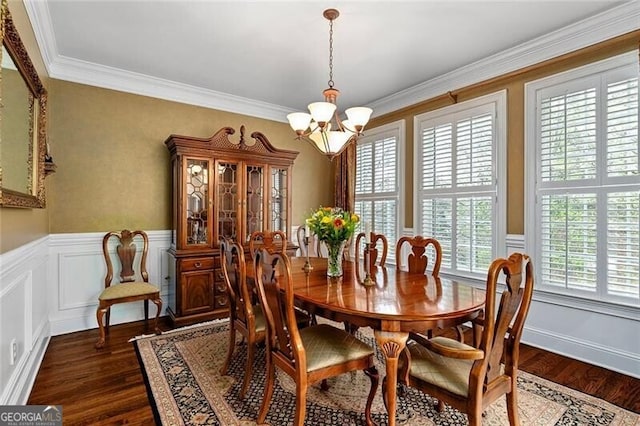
point(113, 167)
point(20, 226)
point(514, 84)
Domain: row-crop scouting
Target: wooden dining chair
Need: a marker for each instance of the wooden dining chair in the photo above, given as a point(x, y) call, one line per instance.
point(308, 355)
point(133, 286)
point(271, 240)
point(417, 260)
point(470, 378)
point(245, 317)
point(373, 251)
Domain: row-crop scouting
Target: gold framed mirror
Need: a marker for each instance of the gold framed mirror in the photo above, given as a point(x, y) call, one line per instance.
point(23, 121)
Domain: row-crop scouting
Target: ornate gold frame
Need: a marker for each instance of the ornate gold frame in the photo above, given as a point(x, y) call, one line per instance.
point(35, 198)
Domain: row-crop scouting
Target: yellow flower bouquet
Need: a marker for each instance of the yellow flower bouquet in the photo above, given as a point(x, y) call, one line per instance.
point(333, 226)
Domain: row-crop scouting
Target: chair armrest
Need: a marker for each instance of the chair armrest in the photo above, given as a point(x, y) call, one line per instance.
point(419, 338)
point(453, 349)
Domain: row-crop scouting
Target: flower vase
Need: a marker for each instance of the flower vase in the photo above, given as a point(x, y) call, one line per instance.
point(334, 259)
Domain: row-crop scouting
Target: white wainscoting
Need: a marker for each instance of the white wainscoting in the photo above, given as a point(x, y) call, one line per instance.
point(24, 292)
point(50, 287)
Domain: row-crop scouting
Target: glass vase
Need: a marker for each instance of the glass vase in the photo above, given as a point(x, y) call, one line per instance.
point(334, 258)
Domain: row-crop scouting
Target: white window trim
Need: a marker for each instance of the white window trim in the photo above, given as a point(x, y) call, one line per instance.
point(397, 128)
point(612, 306)
point(500, 100)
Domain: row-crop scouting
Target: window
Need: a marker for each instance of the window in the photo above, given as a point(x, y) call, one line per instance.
point(379, 181)
point(460, 179)
point(584, 184)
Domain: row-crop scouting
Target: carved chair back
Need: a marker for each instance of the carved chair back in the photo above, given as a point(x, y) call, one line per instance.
point(273, 241)
point(234, 272)
point(417, 260)
point(126, 256)
point(373, 251)
point(275, 292)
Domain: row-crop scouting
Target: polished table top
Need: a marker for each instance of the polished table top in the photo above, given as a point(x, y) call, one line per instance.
point(416, 302)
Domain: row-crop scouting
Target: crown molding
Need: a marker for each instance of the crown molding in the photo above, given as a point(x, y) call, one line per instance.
point(609, 24)
point(40, 17)
point(77, 71)
point(612, 23)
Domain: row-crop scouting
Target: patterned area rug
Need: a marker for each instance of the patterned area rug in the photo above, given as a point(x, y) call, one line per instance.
point(182, 373)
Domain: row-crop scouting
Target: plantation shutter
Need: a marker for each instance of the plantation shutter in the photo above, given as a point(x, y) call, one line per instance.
point(377, 187)
point(588, 193)
point(457, 192)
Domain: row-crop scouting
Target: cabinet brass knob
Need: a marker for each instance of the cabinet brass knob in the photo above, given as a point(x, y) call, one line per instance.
point(198, 264)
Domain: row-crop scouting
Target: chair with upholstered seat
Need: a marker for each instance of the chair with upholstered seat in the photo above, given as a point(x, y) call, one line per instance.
point(471, 378)
point(244, 317)
point(373, 251)
point(417, 260)
point(308, 355)
point(133, 286)
point(271, 240)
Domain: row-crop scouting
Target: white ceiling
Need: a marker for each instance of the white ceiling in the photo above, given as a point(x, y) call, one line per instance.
point(268, 58)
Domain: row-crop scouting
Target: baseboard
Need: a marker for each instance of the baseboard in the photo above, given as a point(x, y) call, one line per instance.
point(603, 356)
point(19, 387)
point(120, 314)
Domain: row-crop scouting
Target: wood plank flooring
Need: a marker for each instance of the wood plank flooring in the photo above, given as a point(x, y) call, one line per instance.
point(106, 387)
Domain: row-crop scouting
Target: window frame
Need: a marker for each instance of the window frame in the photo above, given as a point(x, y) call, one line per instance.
point(397, 129)
point(601, 185)
point(499, 101)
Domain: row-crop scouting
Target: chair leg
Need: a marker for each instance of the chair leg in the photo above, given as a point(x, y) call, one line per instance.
point(460, 333)
point(301, 404)
point(232, 345)
point(158, 303)
point(146, 314)
point(268, 390)
point(384, 393)
point(107, 317)
point(249, 370)
point(372, 372)
point(100, 313)
point(512, 407)
point(475, 417)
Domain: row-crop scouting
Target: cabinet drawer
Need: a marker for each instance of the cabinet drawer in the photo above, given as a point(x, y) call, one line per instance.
point(197, 264)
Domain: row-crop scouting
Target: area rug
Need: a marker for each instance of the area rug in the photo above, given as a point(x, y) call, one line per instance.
point(182, 374)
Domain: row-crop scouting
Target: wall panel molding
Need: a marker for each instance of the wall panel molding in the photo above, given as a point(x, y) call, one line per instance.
point(23, 293)
point(79, 268)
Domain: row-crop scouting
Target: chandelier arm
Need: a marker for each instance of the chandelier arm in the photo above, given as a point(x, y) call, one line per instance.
point(341, 126)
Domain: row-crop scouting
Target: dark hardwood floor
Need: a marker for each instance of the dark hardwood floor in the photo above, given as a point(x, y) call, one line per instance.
point(106, 386)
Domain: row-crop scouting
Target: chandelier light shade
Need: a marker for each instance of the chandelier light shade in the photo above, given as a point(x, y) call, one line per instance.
point(322, 125)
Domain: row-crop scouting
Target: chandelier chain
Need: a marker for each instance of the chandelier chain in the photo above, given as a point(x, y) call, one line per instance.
point(331, 53)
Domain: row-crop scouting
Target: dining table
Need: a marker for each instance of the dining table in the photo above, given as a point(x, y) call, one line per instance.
point(395, 303)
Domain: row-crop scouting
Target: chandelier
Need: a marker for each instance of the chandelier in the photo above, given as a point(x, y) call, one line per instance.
point(323, 126)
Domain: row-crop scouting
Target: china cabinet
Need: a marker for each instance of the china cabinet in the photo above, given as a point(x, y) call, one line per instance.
point(221, 189)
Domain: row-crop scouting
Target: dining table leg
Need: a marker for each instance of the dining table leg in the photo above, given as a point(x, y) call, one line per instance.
point(392, 343)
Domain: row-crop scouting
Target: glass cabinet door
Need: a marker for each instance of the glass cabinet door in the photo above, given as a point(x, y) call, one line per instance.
point(254, 207)
point(227, 199)
point(197, 201)
point(278, 201)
